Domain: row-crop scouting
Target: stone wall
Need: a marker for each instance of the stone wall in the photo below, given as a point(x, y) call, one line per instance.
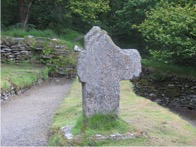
point(51, 52)
point(38, 50)
point(14, 50)
point(167, 90)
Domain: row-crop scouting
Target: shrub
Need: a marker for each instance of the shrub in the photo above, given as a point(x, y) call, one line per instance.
point(171, 31)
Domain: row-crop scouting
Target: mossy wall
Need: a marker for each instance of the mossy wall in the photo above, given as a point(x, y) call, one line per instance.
point(54, 53)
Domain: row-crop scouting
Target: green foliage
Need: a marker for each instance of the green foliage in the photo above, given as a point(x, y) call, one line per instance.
point(100, 124)
point(72, 36)
point(56, 14)
point(161, 56)
point(9, 13)
point(132, 13)
point(162, 68)
point(170, 31)
point(82, 15)
point(168, 26)
point(123, 16)
point(33, 32)
point(49, 14)
point(88, 9)
point(62, 61)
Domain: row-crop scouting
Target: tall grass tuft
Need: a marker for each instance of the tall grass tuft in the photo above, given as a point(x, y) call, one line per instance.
point(170, 68)
point(100, 123)
point(33, 32)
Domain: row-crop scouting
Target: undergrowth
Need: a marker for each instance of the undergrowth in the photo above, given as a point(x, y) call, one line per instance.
point(170, 68)
point(69, 36)
point(32, 32)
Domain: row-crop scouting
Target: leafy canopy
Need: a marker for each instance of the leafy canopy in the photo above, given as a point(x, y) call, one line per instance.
point(170, 30)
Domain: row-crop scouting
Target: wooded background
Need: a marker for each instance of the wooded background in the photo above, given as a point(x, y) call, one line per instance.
point(164, 30)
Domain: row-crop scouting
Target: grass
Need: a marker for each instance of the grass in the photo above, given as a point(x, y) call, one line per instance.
point(100, 124)
point(69, 37)
point(137, 115)
point(20, 76)
point(33, 32)
point(68, 34)
point(183, 71)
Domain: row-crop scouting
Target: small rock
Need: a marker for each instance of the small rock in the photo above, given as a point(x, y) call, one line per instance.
point(10, 56)
point(194, 87)
point(54, 39)
point(98, 135)
point(152, 95)
point(38, 48)
point(3, 46)
point(67, 132)
point(7, 50)
point(25, 52)
point(78, 49)
point(29, 36)
point(2, 51)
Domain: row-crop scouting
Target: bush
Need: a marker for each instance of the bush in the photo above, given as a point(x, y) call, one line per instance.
point(171, 31)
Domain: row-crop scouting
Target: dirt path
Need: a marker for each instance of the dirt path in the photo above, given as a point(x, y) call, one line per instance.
point(25, 119)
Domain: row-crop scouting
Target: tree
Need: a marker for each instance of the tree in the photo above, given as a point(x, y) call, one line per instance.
point(9, 13)
point(123, 15)
point(85, 14)
point(49, 14)
point(58, 14)
point(24, 7)
point(170, 32)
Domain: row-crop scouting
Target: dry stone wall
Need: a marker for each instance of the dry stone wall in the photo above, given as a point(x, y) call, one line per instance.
point(51, 52)
point(14, 50)
point(38, 50)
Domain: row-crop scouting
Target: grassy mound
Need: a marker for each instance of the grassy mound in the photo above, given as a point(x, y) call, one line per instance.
point(137, 115)
point(20, 76)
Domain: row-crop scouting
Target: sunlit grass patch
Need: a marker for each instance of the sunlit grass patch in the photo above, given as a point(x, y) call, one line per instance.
point(20, 76)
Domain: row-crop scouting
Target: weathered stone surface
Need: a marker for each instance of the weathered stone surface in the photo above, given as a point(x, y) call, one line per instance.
point(100, 68)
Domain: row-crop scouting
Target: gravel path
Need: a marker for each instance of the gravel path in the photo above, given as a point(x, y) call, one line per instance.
point(25, 119)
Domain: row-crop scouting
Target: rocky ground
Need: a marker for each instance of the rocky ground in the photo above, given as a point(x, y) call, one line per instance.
point(25, 119)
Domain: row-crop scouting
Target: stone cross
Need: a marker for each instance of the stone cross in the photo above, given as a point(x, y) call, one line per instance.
point(100, 68)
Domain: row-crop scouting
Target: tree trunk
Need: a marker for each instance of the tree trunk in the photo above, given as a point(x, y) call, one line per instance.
point(24, 6)
point(27, 13)
point(22, 11)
